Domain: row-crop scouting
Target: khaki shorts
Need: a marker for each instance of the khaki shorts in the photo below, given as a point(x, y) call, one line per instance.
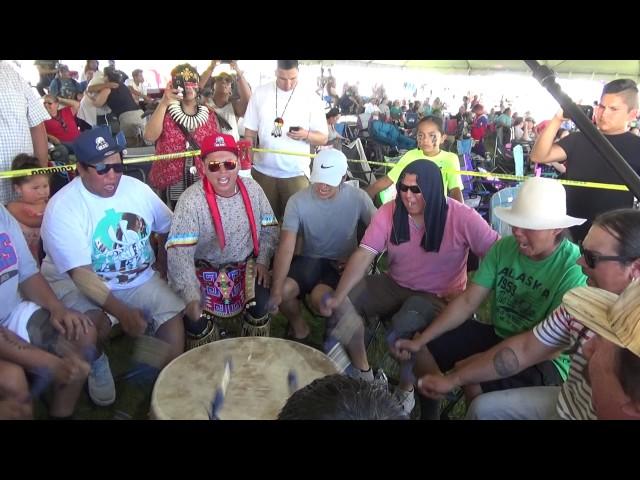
point(378, 295)
point(154, 297)
point(279, 190)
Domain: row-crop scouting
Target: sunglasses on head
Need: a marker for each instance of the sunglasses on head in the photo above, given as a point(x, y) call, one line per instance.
point(103, 168)
point(228, 165)
point(592, 259)
point(415, 189)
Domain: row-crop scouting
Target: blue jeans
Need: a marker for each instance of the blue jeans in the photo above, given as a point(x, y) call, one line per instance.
point(527, 403)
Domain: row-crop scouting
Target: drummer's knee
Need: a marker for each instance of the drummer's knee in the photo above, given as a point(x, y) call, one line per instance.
point(172, 332)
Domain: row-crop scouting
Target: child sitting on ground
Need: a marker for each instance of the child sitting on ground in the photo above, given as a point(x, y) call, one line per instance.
point(33, 193)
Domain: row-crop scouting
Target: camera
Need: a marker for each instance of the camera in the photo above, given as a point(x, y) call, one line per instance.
point(177, 83)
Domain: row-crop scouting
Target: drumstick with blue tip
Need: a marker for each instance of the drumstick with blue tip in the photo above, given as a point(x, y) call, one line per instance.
point(218, 399)
point(292, 381)
point(43, 376)
point(349, 321)
point(148, 349)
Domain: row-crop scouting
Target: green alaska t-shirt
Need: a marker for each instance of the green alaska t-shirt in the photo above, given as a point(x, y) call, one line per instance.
point(526, 291)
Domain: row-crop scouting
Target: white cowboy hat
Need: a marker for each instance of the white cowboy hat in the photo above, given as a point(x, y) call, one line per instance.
point(541, 204)
point(616, 318)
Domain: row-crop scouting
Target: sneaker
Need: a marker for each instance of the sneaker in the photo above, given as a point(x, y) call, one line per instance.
point(102, 388)
point(406, 400)
point(354, 372)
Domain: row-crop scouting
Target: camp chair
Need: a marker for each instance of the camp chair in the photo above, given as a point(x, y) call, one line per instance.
point(451, 126)
point(502, 154)
point(474, 187)
point(139, 170)
point(518, 160)
point(358, 170)
point(502, 198)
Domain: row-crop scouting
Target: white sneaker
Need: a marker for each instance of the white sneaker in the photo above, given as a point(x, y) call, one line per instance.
point(406, 400)
point(102, 388)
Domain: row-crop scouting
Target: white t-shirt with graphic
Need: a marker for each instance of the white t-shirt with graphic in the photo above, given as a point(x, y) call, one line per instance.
point(111, 234)
point(16, 264)
point(302, 108)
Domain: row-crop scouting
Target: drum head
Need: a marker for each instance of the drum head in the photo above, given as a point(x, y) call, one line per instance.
point(258, 387)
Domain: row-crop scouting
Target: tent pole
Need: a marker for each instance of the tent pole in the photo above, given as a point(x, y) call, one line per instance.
point(547, 79)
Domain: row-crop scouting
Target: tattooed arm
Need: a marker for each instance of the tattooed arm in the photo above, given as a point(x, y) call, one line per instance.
point(15, 350)
point(503, 360)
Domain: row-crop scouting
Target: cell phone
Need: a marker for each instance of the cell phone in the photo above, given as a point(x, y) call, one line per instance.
point(294, 129)
point(177, 82)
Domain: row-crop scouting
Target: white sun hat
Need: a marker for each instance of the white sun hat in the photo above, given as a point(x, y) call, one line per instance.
point(541, 204)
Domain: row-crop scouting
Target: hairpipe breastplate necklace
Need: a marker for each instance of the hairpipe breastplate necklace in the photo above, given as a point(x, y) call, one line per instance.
point(188, 121)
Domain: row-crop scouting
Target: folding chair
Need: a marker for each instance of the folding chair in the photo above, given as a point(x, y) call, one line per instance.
point(139, 170)
point(502, 198)
point(518, 160)
point(359, 170)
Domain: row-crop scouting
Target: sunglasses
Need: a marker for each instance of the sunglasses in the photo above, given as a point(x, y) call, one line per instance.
point(415, 189)
point(103, 168)
point(49, 103)
point(228, 165)
point(592, 259)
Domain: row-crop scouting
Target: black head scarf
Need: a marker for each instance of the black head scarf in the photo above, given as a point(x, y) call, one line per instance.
point(435, 211)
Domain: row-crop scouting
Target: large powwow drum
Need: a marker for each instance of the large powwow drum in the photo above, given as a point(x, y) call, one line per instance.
point(258, 386)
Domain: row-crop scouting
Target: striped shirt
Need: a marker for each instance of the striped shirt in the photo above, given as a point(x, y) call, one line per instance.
point(20, 110)
point(562, 330)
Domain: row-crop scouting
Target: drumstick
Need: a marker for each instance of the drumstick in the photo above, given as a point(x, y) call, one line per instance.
point(406, 367)
point(218, 399)
point(44, 375)
point(292, 381)
point(151, 350)
point(343, 332)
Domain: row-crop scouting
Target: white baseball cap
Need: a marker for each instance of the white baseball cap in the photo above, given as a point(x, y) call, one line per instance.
point(329, 166)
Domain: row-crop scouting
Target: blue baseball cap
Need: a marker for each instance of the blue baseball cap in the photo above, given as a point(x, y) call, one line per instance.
point(93, 146)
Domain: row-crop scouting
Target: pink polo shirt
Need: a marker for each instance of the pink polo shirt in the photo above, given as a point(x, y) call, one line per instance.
point(441, 273)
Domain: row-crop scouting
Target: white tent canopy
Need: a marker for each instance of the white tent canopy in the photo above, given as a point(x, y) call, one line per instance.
point(594, 69)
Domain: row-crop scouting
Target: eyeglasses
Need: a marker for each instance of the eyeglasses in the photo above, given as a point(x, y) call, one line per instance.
point(228, 165)
point(414, 188)
point(591, 259)
point(103, 168)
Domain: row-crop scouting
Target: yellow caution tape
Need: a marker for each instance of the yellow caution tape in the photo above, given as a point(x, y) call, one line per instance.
point(72, 166)
point(193, 153)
